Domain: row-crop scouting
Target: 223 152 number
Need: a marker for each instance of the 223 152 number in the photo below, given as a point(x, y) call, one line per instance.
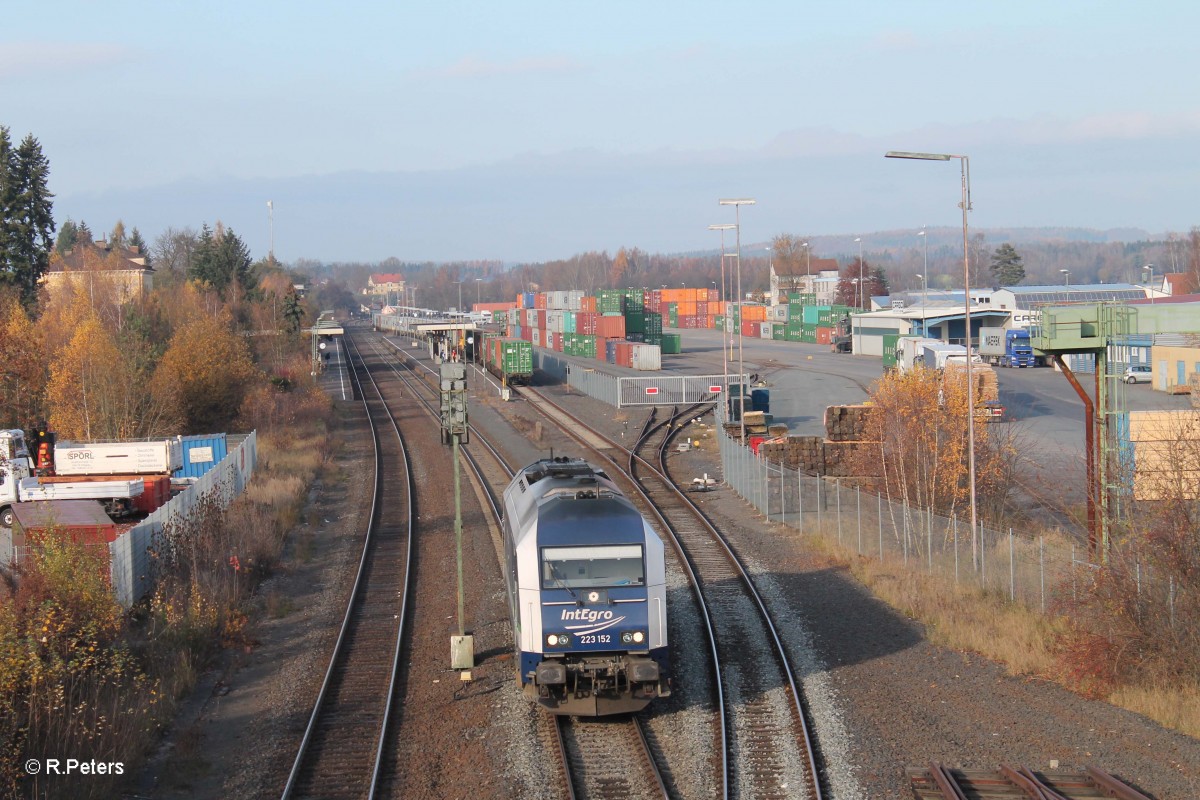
point(602, 638)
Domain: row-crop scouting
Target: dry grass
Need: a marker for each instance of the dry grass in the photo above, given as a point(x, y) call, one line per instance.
point(1171, 706)
point(1026, 642)
point(960, 617)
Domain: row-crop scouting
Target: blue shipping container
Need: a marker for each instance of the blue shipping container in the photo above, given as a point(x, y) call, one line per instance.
point(200, 454)
point(610, 350)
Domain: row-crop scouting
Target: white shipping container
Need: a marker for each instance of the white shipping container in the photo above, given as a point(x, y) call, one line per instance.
point(779, 313)
point(118, 458)
point(575, 299)
point(646, 357)
point(556, 320)
point(765, 329)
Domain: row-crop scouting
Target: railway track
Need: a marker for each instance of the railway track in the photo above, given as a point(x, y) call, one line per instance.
point(340, 753)
point(766, 748)
point(600, 759)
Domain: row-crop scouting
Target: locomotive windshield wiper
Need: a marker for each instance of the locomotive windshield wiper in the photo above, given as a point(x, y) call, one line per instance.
point(562, 581)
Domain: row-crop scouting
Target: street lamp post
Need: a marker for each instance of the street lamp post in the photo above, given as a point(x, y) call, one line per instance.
point(855, 283)
point(725, 334)
point(1066, 277)
point(860, 271)
point(1151, 283)
point(925, 240)
point(737, 210)
point(478, 281)
point(271, 224)
point(965, 205)
point(807, 268)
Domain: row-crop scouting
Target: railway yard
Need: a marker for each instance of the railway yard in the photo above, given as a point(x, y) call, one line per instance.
point(789, 679)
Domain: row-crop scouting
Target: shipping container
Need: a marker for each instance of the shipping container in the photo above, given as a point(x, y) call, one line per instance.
point(751, 329)
point(200, 454)
point(78, 521)
point(610, 326)
point(672, 344)
point(889, 349)
point(824, 335)
point(647, 357)
point(160, 457)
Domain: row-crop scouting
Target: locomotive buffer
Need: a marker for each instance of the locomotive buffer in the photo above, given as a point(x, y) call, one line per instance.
point(454, 432)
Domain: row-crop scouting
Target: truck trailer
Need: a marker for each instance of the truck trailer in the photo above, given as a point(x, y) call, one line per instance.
point(1003, 347)
point(18, 485)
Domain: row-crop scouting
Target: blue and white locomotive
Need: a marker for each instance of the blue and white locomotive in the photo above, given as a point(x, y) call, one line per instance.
point(587, 591)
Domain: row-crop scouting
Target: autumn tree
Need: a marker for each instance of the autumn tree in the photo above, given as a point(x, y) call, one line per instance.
point(95, 392)
point(205, 373)
point(22, 367)
point(920, 424)
point(1007, 267)
point(860, 282)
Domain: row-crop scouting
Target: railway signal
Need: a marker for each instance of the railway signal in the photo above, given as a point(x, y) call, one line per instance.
point(455, 431)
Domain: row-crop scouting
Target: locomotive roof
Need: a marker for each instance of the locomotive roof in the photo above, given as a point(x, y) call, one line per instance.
point(598, 521)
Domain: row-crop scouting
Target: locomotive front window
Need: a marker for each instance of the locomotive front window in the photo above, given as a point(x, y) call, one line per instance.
point(612, 565)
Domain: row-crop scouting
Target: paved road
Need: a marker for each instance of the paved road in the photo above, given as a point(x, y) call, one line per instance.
point(805, 378)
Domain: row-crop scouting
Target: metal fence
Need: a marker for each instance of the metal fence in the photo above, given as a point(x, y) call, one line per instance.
point(622, 391)
point(1023, 569)
point(130, 562)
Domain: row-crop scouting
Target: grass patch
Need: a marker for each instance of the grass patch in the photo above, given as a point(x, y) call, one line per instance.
point(1174, 707)
point(279, 605)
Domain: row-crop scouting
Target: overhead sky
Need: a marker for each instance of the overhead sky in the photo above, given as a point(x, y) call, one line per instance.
point(535, 130)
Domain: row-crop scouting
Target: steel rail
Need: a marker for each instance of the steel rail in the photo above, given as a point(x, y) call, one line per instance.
point(339, 652)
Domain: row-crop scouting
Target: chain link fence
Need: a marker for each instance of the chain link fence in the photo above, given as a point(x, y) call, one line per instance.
point(1024, 569)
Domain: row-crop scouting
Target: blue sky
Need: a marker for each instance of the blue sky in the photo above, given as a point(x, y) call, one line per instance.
point(537, 130)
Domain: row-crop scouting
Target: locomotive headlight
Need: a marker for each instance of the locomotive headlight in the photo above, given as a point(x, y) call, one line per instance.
point(633, 637)
point(638, 637)
point(558, 639)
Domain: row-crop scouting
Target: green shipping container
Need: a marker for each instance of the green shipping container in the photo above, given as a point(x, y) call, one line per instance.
point(719, 322)
point(793, 335)
point(635, 322)
point(672, 344)
point(517, 357)
point(610, 301)
point(889, 349)
point(779, 333)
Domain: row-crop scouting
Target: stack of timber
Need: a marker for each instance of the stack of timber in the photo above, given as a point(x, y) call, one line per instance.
point(756, 422)
point(803, 453)
point(983, 376)
point(848, 423)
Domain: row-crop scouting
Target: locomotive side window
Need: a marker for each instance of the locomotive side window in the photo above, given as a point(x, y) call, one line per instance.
point(611, 565)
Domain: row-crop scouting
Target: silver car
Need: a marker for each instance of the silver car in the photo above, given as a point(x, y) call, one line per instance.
point(1138, 373)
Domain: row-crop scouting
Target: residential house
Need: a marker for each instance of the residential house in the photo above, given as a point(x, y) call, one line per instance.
point(101, 266)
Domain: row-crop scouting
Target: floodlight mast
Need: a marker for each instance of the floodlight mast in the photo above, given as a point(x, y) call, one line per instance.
point(965, 205)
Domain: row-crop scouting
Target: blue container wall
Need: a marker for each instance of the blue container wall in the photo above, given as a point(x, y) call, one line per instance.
point(194, 469)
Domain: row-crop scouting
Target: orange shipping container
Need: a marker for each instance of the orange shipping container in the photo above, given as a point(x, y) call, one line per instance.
point(824, 335)
point(539, 300)
point(754, 313)
point(610, 327)
point(686, 308)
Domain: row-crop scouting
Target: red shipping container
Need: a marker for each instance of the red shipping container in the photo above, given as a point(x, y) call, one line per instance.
point(585, 322)
point(702, 308)
point(601, 348)
point(541, 319)
point(539, 300)
point(824, 335)
point(557, 344)
point(610, 327)
point(80, 521)
point(624, 354)
point(751, 328)
point(155, 492)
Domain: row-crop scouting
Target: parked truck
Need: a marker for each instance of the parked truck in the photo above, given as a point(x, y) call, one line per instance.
point(909, 351)
point(936, 355)
point(1006, 347)
point(18, 485)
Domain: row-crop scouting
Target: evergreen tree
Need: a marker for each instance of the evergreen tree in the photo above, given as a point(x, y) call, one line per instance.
point(1007, 266)
point(136, 240)
point(85, 233)
point(29, 219)
point(8, 160)
point(293, 312)
point(221, 258)
point(68, 235)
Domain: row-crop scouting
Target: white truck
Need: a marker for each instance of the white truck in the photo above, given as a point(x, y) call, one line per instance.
point(18, 485)
point(909, 351)
point(937, 355)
